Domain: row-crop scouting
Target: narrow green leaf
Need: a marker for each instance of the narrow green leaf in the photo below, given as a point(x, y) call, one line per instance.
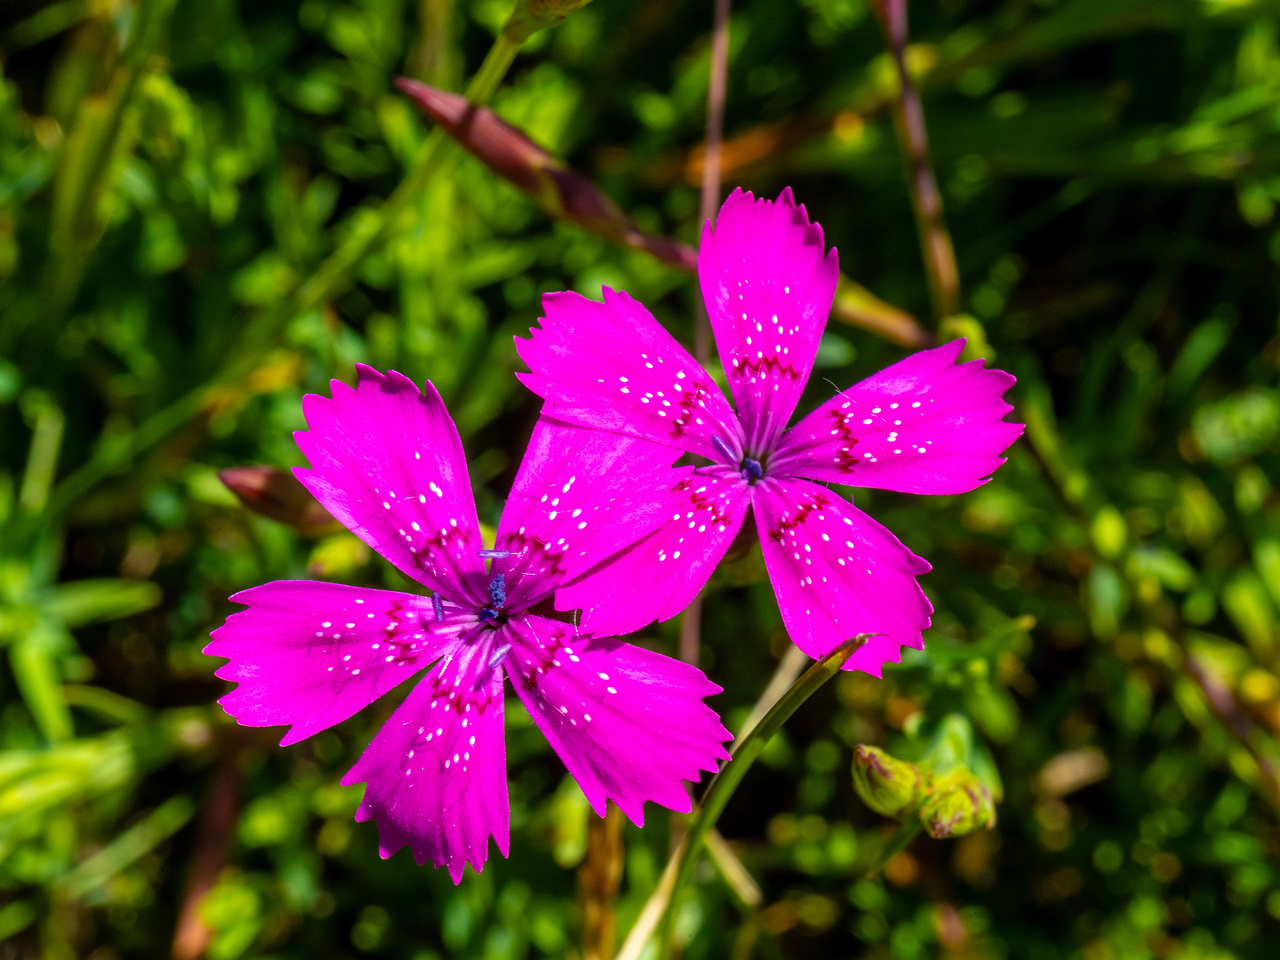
point(32, 660)
point(128, 848)
point(94, 601)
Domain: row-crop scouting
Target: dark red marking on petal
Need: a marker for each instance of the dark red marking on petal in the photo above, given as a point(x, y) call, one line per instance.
point(753, 368)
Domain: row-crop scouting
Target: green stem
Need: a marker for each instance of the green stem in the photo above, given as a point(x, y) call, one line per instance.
point(88, 161)
point(744, 754)
point(42, 461)
point(907, 831)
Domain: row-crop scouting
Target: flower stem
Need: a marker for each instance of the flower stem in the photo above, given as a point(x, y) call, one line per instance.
point(691, 631)
point(935, 240)
point(907, 831)
point(717, 90)
point(745, 751)
point(599, 878)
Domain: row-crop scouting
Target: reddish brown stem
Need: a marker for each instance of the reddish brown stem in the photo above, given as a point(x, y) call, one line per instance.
point(935, 240)
point(1224, 704)
point(717, 90)
point(217, 824)
point(599, 879)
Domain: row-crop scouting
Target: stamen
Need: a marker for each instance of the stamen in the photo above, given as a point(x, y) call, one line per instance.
point(499, 655)
point(487, 614)
point(752, 469)
point(725, 450)
point(439, 605)
point(498, 589)
point(494, 554)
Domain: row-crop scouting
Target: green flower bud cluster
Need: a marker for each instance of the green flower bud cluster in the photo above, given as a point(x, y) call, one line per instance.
point(949, 804)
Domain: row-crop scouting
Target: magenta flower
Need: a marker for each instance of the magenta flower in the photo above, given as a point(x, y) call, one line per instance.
point(923, 425)
point(386, 461)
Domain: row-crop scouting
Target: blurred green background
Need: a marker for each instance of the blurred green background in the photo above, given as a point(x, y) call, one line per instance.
point(193, 235)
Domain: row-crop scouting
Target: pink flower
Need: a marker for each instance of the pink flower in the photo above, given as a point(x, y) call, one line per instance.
point(923, 425)
point(387, 462)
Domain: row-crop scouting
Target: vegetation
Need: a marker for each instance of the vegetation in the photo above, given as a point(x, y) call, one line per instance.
point(209, 208)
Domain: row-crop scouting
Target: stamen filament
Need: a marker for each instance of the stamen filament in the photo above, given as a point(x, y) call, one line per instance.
point(724, 449)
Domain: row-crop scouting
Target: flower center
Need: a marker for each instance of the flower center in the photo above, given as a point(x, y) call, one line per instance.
point(752, 470)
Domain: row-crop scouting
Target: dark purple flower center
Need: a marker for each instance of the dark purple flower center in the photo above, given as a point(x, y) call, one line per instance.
point(497, 598)
point(498, 590)
point(752, 470)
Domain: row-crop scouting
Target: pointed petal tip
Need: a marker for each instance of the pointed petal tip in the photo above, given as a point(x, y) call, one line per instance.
point(292, 736)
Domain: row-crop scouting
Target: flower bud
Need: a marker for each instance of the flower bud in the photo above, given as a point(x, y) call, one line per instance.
point(887, 785)
point(277, 495)
point(957, 803)
point(559, 191)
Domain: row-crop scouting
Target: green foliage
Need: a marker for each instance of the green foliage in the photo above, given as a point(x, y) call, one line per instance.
point(209, 208)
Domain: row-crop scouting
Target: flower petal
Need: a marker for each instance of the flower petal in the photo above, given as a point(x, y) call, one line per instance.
point(768, 287)
point(437, 771)
point(838, 573)
point(657, 577)
point(312, 654)
point(580, 495)
point(611, 365)
point(923, 425)
point(629, 724)
point(386, 460)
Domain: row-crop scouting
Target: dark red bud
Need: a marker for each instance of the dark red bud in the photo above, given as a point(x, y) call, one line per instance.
point(484, 134)
point(561, 192)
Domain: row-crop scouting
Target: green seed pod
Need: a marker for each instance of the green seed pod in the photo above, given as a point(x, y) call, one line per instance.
point(887, 785)
point(957, 803)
